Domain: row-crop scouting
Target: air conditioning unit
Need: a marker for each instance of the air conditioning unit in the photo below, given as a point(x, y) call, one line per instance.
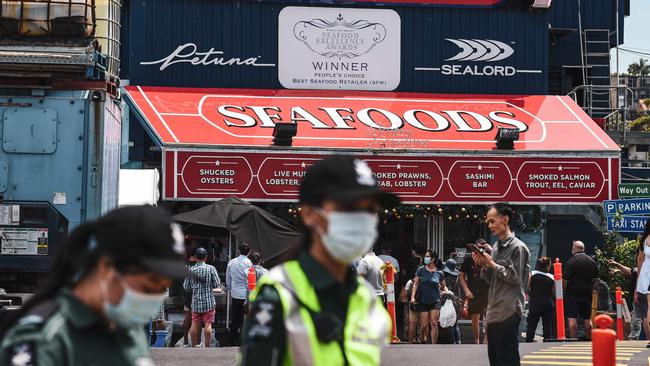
point(541, 4)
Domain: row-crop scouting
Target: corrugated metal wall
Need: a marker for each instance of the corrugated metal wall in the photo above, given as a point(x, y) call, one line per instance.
point(597, 14)
point(153, 29)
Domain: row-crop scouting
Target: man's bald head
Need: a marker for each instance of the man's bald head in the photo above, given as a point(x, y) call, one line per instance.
point(578, 247)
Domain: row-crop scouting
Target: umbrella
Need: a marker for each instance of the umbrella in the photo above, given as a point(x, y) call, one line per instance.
point(264, 232)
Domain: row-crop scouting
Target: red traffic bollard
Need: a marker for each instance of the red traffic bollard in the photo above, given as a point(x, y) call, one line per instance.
point(389, 280)
point(559, 299)
point(603, 342)
point(252, 279)
point(619, 314)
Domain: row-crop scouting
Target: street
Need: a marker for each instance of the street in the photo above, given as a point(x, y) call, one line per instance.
point(629, 353)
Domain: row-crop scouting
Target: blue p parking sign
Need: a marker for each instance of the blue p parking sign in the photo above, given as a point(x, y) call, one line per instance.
point(640, 206)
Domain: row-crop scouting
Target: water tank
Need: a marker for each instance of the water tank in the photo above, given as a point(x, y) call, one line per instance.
point(47, 17)
point(107, 32)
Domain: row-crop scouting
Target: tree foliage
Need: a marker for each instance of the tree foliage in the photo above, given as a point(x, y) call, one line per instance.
point(620, 250)
point(641, 68)
point(641, 124)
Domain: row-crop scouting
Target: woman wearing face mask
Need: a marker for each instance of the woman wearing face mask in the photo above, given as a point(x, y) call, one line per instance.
point(315, 310)
point(430, 281)
point(108, 280)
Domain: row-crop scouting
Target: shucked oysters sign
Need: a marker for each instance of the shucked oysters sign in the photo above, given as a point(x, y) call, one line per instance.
point(332, 48)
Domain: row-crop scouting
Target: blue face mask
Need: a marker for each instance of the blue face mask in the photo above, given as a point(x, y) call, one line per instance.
point(134, 310)
point(427, 260)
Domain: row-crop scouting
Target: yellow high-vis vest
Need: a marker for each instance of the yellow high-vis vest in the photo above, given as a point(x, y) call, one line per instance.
point(366, 329)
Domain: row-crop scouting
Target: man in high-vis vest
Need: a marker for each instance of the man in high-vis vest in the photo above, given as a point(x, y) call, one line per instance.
point(314, 310)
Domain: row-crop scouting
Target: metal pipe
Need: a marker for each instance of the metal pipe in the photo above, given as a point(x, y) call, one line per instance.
point(582, 51)
point(228, 290)
point(618, 71)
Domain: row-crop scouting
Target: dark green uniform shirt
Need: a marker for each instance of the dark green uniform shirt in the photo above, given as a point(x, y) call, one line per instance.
point(69, 333)
point(264, 336)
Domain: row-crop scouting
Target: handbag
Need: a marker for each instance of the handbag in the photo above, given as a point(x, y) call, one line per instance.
point(464, 312)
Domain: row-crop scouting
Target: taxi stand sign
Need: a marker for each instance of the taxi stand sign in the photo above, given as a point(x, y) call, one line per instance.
point(627, 224)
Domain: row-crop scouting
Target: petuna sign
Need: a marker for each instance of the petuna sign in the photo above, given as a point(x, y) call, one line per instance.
point(188, 54)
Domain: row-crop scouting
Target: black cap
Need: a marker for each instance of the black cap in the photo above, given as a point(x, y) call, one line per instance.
point(201, 253)
point(342, 178)
point(146, 236)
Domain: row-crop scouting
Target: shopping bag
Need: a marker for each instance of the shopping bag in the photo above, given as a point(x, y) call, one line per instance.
point(447, 314)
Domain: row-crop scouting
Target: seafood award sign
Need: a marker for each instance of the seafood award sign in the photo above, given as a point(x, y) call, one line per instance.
point(332, 48)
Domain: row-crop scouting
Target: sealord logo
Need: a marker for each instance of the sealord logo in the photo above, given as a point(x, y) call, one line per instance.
point(481, 50)
point(473, 53)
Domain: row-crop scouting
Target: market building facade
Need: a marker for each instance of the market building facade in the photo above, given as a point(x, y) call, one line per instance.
point(419, 89)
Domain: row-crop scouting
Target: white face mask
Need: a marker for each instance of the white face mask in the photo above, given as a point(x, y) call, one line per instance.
point(349, 234)
point(135, 308)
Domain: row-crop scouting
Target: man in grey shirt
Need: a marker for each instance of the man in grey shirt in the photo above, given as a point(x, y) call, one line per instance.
point(371, 268)
point(506, 272)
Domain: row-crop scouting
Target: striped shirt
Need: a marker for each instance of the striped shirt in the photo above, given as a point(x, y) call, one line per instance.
point(201, 286)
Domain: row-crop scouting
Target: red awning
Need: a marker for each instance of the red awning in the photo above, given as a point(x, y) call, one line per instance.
point(426, 148)
point(377, 121)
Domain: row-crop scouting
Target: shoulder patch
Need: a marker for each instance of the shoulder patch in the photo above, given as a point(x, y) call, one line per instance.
point(40, 313)
point(23, 354)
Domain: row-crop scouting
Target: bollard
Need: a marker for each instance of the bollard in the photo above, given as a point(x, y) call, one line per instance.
point(619, 314)
point(252, 279)
point(603, 342)
point(389, 283)
point(559, 300)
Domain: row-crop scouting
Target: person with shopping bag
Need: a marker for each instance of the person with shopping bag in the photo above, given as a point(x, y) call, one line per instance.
point(428, 283)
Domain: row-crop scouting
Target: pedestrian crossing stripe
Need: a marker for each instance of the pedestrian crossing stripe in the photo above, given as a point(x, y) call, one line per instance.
point(580, 353)
point(568, 357)
point(530, 362)
point(627, 349)
point(589, 350)
point(630, 350)
point(621, 345)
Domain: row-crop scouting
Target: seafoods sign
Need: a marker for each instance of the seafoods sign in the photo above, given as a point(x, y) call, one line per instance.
point(330, 48)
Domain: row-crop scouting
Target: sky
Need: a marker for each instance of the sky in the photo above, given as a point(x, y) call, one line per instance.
point(637, 35)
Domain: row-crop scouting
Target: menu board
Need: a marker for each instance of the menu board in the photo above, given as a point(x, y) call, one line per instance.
point(202, 175)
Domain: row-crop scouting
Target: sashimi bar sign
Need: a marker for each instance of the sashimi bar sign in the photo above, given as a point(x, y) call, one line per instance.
point(198, 175)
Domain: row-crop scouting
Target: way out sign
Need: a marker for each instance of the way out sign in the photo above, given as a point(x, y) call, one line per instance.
point(627, 224)
point(639, 206)
point(634, 190)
